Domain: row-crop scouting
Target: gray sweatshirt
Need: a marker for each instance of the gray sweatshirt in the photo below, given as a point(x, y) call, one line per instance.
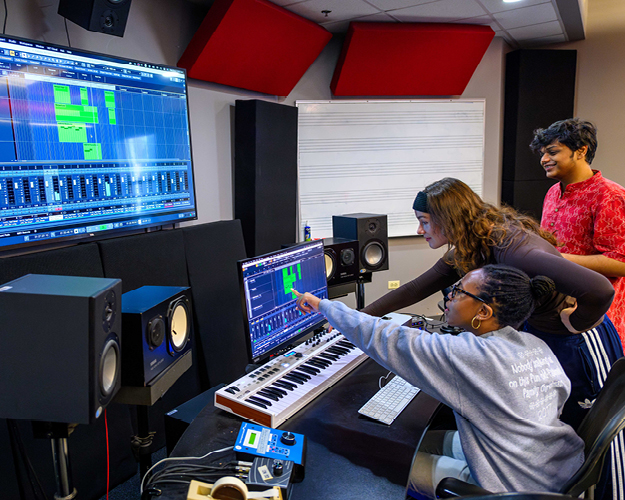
point(506, 389)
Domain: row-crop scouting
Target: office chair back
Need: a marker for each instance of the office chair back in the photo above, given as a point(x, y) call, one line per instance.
point(600, 426)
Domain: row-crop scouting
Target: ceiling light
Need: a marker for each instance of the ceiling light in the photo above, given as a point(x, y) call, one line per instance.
point(510, 1)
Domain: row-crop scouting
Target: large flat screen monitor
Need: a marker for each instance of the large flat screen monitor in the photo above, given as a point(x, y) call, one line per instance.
point(272, 319)
point(90, 144)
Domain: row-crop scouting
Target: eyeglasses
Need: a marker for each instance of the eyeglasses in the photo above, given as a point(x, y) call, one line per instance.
point(456, 288)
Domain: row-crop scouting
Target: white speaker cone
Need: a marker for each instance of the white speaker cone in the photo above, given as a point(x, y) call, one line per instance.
point(179, 326)
point(330, 265)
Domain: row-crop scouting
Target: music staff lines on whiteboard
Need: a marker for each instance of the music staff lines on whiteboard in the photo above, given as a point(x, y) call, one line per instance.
point(389, 119)
point(385, 169)
point(370, 196)
point(390, 143)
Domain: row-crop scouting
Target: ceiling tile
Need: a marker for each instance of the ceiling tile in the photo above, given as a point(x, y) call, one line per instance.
point(483, 20)
point(442, 11)
point(341, 26)
point(500, 6)
point(341, 10)
point(398, 4)
point(526, 16)
point(285, 3)
point(536, 31)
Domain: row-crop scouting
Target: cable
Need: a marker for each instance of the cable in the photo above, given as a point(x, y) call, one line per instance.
point(6, 14)
point(179, 458)
point(108, 457)
point(69, 44)
point(385, 377)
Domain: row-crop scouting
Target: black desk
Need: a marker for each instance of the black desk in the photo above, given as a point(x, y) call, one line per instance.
point(349, 456)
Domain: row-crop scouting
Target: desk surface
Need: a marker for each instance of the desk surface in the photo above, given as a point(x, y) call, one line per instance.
point(349, 456)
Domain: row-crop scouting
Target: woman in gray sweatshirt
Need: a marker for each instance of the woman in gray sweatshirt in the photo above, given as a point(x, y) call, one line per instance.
point(506, 387)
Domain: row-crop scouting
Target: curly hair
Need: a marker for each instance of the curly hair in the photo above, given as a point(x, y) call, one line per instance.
point(472, 226)
point(513, 293)
point(574, 133)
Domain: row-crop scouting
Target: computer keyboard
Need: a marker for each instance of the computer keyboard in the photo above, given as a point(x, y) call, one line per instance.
point(389, 401)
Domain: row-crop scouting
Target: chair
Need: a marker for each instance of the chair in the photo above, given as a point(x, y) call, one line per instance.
point(600, 426)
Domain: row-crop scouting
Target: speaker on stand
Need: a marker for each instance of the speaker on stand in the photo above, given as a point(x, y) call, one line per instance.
point(341, 262)
point(63, 334)
point(371, 232)
point(157, 325)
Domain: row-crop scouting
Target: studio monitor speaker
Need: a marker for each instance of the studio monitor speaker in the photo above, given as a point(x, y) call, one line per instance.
point(61, 339)
point(106, 16)
point(371, 231)
point(156, 322)
point(341, 259)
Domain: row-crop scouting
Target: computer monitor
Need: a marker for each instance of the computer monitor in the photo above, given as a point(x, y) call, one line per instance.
point(90, 145)
point(271, 316)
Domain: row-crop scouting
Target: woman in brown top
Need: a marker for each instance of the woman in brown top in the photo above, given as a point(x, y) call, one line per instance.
point(571, 320)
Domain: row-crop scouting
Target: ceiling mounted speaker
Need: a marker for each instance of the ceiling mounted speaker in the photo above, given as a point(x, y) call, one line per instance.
point(409, 59)
point(106, 16)
point(255, 45)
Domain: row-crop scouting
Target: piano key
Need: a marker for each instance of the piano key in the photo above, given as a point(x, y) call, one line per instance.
point(265, 393)
point(285, 384)
point(259, 400)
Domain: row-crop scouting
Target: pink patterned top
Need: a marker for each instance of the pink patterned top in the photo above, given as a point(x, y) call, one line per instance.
point(589, 219)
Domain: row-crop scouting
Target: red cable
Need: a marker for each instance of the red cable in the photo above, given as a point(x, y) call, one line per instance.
point(108, 463)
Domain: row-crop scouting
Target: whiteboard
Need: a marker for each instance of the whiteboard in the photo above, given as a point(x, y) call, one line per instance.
point(375, 156)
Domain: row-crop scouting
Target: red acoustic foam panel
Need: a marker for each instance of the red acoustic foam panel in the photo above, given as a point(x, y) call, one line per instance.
point(255, 45)
point(395, 59)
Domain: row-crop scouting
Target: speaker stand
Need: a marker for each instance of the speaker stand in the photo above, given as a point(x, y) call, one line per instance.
point(58, 434)
point(360, 293)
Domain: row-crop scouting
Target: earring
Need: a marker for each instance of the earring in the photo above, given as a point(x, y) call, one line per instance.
point(479, 323)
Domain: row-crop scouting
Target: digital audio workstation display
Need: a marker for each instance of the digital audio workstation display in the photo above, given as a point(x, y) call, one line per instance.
point(273, 320)
point(89, 144)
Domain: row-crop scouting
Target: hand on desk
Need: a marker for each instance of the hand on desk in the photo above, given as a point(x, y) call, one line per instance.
point(307, 302)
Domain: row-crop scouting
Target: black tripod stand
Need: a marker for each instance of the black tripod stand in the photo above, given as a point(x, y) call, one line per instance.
point(58, 434)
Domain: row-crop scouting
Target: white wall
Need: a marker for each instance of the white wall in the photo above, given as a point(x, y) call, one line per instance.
point(159, 30)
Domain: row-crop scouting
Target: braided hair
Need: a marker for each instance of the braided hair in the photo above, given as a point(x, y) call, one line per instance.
point(513, 293)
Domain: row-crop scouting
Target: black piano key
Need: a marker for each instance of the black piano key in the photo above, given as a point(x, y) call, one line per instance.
point(258, 399)
point(302, 376)
point(277, 389)
point(329, 356)
point(322, 363)
point(301, 373)
point(285, 384)
point(346, 343)
point(308, 369)
point(265, 393)
point(337, 350)
point(315, 365)
point(275, 392)
point(297, 380)
point(249, 400)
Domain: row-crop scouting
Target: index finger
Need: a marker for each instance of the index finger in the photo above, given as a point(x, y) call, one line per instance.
point(296, 292)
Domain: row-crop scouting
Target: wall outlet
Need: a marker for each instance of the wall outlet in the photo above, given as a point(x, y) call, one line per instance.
point(393, 284)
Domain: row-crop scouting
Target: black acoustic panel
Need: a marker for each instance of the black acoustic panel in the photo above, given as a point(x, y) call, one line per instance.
point(155, 259)
point(63, 334)
point(146, 259)
point(526, 196)
point(80, 260)
point(539, 90)
point(265, 178)
point(106, 16)
point(212, 252)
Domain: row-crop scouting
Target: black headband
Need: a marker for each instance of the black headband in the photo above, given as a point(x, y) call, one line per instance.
point(421, 203)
